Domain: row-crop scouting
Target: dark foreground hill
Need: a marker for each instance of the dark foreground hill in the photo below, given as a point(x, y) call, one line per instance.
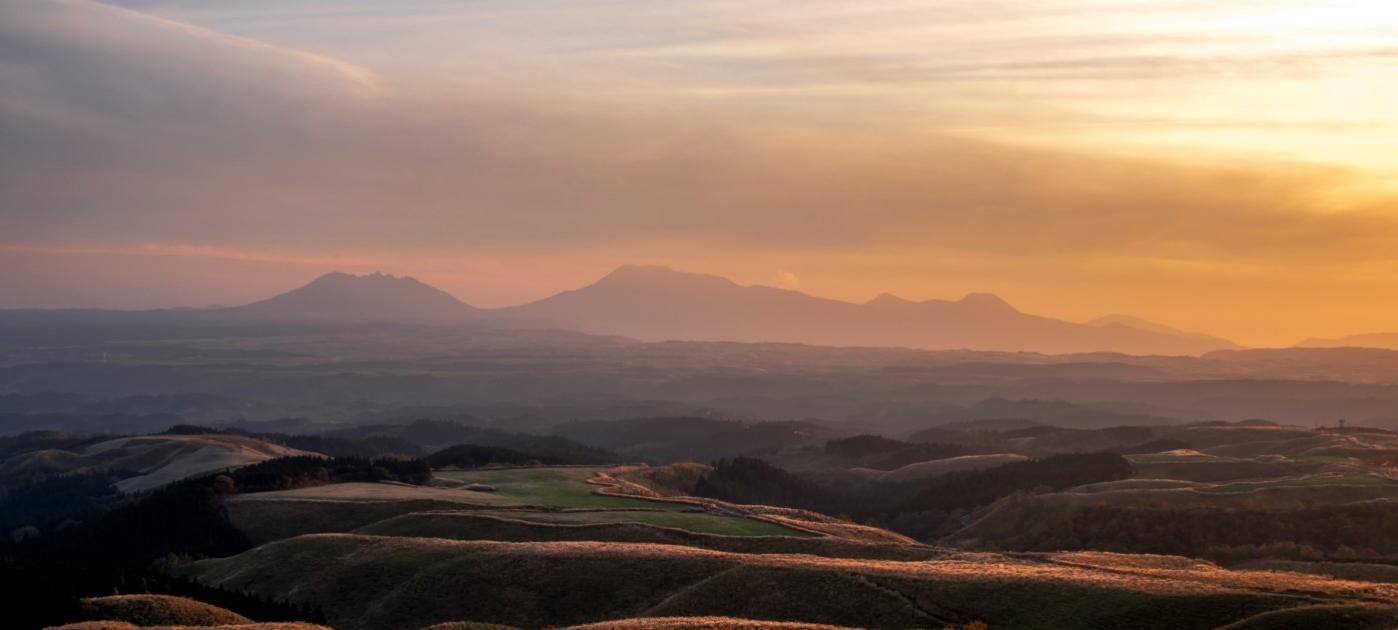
point(375, 582)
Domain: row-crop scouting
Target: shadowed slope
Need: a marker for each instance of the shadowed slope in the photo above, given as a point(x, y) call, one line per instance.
point(156, 610)
point(371, 581)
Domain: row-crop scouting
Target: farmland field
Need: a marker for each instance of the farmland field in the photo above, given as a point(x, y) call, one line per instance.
point(692, 520)
point(547, 496)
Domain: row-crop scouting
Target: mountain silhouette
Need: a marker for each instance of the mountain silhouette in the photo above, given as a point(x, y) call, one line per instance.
point(652, 303)
point(1388, 341)
point(1131, 321)
point(657, 303)
point(345, 297)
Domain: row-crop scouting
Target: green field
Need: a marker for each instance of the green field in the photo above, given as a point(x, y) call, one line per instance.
point(546, 496)
point(694, 521)
point(551, 487)
point(567, 488)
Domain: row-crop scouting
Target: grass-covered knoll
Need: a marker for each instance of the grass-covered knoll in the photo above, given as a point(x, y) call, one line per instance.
point(561, 487)
point(1138, 484)
point(122, 625)
point(468, 625)
point(159, 610)
point(1362, 571)
point(374, 581)
point(1347, 616)
point(1337, 487)
point(508, 528)
point(939, 467)
point(359, 492)
point(701, 623)
point(692, 520)
point(1206, 573)
point(343, 507)
point(562, 496)
point(1288, 493)
point(1225, 526)
point(265, 521)
point(152, 460)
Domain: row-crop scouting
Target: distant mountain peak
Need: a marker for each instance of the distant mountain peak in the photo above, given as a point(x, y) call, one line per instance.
point(341, 296)
point(987, 301)
point(625, 271)
point(657, 276)
point(888, 299)
point(376, 277)
point(1137, 323)
point(1132, 321)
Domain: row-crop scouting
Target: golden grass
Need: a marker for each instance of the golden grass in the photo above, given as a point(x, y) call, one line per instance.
point(373, 581)
point(468, 625)
point(122, 625)
point(1206, 573)
point(565, 495)
point(502, 527)
point(802, 520)
point(155, 610)
point(701, 623)
point(1361, 571)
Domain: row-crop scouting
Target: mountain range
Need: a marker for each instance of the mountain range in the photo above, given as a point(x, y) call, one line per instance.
point(652, 303)
point(1388, 341)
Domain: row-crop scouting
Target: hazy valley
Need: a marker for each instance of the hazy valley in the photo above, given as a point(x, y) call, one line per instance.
point(368, 452)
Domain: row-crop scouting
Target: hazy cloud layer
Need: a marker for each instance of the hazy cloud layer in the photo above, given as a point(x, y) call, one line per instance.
point(504, 150)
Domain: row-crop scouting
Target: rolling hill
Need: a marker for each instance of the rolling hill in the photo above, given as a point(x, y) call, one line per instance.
point(360, 578)
point(150, 460)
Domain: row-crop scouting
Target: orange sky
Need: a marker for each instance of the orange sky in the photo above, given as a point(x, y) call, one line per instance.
point(1229, 169)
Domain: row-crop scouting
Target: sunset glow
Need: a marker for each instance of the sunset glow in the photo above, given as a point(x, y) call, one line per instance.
point(1224, 167)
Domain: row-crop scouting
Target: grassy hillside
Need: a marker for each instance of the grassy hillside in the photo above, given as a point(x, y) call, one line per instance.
point(506, 528)
point(939, 467)
point(159, 610)
point(372, 581)
point(701, 623)
point(149, 461)
point(1347, 616)
point(122, 625)
point(544, 496)
point(695, 520)
point(553, 487)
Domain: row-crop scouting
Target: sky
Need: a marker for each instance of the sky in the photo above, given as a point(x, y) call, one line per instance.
point(1226, 167)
